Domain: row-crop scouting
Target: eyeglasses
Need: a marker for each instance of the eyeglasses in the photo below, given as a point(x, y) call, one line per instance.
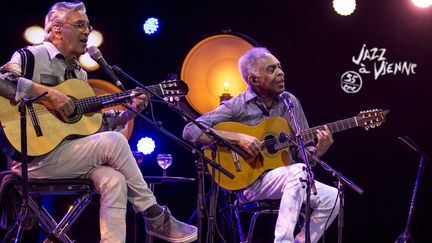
point(81, 26)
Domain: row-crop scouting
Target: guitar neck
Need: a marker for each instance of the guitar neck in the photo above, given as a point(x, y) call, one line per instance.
point(334, 127)
point(311, 133)
point(95, 103)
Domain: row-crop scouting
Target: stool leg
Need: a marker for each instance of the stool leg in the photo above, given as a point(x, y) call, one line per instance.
point(240, 230)
point(72, 215)
point(252, 225)
point(253, 221)
point(45, 220)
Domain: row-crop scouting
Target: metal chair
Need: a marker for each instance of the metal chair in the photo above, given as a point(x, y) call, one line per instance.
point(10, 200)
point(258, 208)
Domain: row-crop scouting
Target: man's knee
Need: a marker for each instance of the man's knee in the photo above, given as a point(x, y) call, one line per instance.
point(108, 180)
point(113, 139)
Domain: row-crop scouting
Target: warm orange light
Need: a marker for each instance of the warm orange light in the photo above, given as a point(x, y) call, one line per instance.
point(102, 87)
point(88, 63)
point(211, 61)
point(226, 87)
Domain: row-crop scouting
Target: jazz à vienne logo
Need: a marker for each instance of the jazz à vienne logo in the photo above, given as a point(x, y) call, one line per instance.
point(372, 61)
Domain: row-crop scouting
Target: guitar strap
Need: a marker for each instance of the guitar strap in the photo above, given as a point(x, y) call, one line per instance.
point(261, 106)
point(27, 63)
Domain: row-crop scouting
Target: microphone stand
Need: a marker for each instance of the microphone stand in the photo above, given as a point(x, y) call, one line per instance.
point(343, 183)
point(22, 107)
point(309, 176)
point(201, 159)
point(406, 235)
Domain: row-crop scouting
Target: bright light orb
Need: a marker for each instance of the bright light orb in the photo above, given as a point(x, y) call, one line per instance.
point(422, 3)
point(95, 38)
point(151, 26)
point(146, 145)
point(344, 7)
point(88, 63)
point(34, 34)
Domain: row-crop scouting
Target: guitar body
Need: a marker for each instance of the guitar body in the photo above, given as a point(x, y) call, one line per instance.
point(46, 129)
point(275, 153)
point(54, 130)
point(250, 169)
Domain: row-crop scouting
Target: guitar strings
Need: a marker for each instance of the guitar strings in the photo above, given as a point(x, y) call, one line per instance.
point(46, 113)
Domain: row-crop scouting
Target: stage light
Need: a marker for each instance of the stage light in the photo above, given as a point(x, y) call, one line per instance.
point(151, 26)
point(146, 145)
point(88, 63)
point(211, 71)
point(422, 3)
point(95, 38)
point(344, 7)
point(34, 34)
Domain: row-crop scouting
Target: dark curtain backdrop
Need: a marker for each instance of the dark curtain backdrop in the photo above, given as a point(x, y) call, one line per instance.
point(316, 47)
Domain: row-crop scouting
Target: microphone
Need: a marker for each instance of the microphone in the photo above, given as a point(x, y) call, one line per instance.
point(286, 99)
point(96, 55)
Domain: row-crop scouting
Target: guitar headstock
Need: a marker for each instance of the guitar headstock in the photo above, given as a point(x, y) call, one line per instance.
point(371, 118)
point(173, 90)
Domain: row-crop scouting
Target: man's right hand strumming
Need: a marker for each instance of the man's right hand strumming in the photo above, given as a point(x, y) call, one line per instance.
point(57, 100)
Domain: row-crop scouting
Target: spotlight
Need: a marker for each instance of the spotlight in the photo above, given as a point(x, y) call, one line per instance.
point(88, 63)
point(34, 34)
point(146, 145)
point(422, 3)
point(344, 7)
point(151, 26)
point(95, 38)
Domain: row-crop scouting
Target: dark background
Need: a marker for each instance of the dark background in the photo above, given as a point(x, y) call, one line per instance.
point(315, 46)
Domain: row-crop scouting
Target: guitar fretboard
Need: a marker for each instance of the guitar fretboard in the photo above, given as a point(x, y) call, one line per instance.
point(95, 103)
point(311, 133)
point(334, 127)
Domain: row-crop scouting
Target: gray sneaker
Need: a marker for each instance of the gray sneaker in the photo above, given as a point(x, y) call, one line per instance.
point(166, 227)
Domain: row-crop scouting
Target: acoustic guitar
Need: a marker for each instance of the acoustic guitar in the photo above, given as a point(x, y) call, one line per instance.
point(46, 129)
point(275, 134)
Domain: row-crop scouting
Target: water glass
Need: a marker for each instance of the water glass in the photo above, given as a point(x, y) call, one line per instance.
point(164, 161)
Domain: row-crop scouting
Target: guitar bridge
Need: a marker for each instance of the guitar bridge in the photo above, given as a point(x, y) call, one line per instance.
point(35, 121)
point(236, 160)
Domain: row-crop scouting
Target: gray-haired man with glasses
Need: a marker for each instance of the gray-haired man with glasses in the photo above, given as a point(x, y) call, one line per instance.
point(103, 157)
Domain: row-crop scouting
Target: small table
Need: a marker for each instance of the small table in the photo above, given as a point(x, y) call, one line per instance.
point(155, 180)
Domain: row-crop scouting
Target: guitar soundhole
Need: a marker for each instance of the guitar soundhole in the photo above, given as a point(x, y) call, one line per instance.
point(270, 144)
point(74, 117)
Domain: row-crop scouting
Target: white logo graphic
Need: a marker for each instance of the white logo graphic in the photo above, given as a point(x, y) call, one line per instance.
point(351, 81)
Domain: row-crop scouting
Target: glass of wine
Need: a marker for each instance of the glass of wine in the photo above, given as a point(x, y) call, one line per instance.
point(164, 161)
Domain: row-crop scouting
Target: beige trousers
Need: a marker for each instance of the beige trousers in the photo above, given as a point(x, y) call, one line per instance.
point(106, 159)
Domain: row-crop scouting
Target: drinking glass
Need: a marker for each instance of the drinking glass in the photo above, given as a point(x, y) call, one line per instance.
point(164, 161)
